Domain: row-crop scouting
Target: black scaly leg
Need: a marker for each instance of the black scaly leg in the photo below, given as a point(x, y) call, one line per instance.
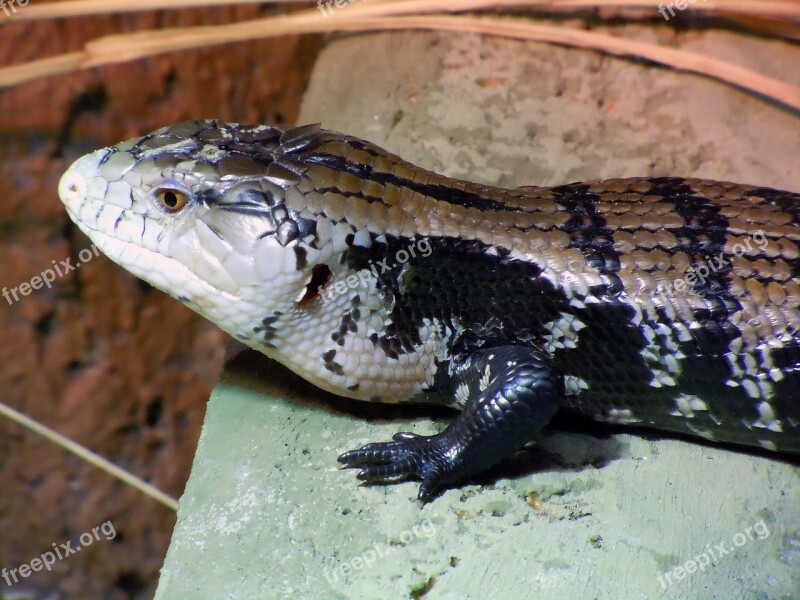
point(513, 392)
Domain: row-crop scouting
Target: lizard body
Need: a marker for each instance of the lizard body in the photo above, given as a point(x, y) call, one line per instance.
point(667, 303)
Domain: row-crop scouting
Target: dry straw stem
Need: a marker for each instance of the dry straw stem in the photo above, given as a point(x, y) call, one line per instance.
point(131, 46)
point(775, 27)
point(75, 8)
point(89, 456)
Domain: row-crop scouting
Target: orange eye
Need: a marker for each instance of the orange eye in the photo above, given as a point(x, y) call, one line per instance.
point(172, 200)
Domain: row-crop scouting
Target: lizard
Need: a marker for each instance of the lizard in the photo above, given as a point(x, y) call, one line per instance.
point(662, 302)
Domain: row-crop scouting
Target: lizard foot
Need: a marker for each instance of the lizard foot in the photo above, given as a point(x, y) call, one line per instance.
point(430, 458)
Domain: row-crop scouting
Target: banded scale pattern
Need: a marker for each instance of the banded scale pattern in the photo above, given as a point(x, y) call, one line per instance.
point(662, 302)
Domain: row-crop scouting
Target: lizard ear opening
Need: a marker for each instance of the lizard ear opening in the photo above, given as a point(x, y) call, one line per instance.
point(320, 276)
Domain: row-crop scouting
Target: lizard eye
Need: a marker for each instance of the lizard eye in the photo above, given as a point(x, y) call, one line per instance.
point(171, 200)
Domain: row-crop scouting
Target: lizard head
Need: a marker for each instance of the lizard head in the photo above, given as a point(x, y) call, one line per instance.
point(209, 212)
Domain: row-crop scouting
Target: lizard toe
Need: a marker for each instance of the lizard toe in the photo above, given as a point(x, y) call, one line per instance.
point(409, 455)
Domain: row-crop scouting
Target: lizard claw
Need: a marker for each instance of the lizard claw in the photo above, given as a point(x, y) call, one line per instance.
point(502, 415)
point(409, 454)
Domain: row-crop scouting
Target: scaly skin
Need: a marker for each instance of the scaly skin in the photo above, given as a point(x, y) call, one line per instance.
point(667, 303)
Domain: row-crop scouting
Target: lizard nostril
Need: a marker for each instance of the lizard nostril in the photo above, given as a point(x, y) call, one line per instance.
point(72, 187)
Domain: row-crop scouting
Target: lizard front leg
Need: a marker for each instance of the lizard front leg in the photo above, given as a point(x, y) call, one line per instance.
point(512, 392)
